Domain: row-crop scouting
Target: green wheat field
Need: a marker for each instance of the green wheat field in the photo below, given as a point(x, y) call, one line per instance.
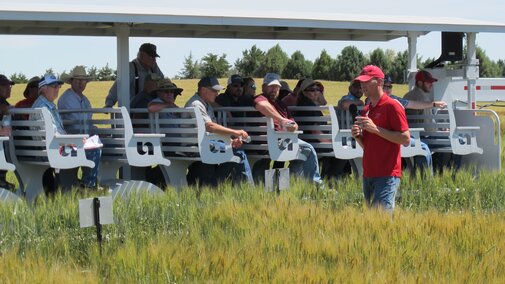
point(445, 229)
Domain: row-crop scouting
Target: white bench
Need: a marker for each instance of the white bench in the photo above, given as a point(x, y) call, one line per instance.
point(36, 146)
point(336, 125)
point(442, 133)
point(266, 142)
point(185, 141)
point(121, 145)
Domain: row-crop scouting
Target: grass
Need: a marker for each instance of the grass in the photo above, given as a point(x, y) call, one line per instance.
point(443, 230)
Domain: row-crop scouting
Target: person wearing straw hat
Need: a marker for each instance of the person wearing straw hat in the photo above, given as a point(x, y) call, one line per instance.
point(74, 98)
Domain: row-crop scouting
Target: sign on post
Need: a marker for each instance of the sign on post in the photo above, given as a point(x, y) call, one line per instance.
point(86, 211)
point(276, 179)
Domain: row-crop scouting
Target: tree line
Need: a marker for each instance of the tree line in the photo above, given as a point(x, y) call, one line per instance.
point(344, 67)
point(256, 63)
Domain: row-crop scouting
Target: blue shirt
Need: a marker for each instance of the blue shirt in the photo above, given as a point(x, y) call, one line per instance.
point(42, 102)
point(81, 120)
point(348, 97)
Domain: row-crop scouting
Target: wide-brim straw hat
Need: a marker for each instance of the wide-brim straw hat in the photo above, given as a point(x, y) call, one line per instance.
point(77, 73)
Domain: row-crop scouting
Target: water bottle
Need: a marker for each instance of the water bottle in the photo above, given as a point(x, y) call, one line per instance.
point(247, 140)
point(6, 120)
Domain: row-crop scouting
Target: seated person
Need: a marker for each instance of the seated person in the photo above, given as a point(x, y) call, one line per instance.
point(310, 95)
point(49, 87)
point(353, 96)
point(210, 175)
point(166, 92)
point(142, 99)
point(268, 105)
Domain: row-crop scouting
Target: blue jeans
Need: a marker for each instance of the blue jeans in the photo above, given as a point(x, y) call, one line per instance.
point(424, 162)
point(236, 172)
point(309, 169)
point(381, 191)
point(89, 175)
point(209, 175)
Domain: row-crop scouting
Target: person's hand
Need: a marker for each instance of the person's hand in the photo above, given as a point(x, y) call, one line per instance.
point(366, 124)
point(289, 125)
point(440, 104)
point(355, 131)
point(241, 134)
point(5, 131)
point(236, 143)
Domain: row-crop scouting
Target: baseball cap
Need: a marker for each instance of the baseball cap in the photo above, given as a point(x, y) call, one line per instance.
point(425, 76)
point(272, 79)
point(368, 72)
point(210, 82)
point(5, 79)
point(166, 84)
point(235, 79)
point(49, 79)
point(285, 87)
point(150, 49)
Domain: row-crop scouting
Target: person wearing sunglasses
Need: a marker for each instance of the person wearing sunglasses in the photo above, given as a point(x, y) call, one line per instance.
point(311, 94)
point(166, 93)
point(249, 89)
point(233, 95)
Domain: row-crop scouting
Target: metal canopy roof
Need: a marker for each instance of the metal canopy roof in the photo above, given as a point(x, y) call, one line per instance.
point(23, 19)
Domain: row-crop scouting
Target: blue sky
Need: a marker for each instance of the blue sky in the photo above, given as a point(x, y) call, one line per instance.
point(32, 55)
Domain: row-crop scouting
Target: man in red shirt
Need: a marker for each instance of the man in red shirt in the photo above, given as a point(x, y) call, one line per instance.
point(381, 128)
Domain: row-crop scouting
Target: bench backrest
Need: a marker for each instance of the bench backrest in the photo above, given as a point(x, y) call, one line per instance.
point(441, 131)
point(37, 141)
point(266, 142)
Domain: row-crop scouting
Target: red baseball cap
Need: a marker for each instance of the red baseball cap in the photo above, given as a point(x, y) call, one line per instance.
point(369, 72)
point(425, 76)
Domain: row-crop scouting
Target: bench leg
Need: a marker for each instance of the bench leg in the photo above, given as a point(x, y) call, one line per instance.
point(175, 174)
point(32, 181)
point(108, 171)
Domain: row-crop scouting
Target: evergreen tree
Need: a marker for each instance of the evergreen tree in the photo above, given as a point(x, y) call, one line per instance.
point(297, 67)
point(379, 58)
point(322, 66)
point(212, 65)
point(19, 78)
point(249, 64)
point(106, 74)
point(274, 62)
point(399, 67)
point(348, 64)
point(487, 67)
point(190, 69)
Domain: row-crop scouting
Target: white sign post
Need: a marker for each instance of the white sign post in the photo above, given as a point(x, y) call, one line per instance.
point(96, 212)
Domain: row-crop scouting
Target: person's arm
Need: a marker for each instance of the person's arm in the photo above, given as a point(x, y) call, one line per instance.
point(344, 105)
point(398, 137)
point(156, 106)
point(356, 134)
point(268, 110)
point(111, 98)
point(425, 105)
point(238, 135)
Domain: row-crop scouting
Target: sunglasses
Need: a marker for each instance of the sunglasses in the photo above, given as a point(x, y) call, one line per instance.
point(313, 90)
point(388, 86)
